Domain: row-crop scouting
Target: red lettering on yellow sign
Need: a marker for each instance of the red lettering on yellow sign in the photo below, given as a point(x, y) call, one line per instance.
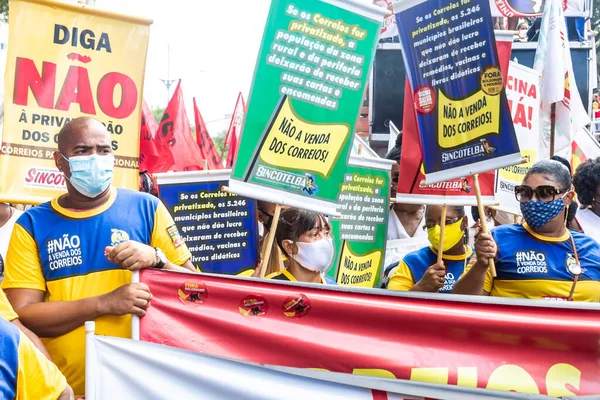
point(75, 89)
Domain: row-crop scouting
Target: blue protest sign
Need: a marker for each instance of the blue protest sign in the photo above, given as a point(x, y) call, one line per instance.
point(463, 116)
point(219, 228)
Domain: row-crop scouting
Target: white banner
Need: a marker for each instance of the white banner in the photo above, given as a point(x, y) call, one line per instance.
point(534, 8)
point(523, 93)
point(128, 369)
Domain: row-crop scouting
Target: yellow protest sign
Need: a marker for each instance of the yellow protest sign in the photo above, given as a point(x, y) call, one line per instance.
point(74, 61)
point(294, 143)
point(358, 269)
point(462, 121)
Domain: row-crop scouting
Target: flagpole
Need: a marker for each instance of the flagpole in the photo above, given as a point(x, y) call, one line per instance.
point(481, 210)
point(552, 127)
point(440, 253)
point(270, 239)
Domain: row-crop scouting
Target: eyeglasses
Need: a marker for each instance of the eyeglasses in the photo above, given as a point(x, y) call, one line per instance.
point(544, 193)
point(449, 221)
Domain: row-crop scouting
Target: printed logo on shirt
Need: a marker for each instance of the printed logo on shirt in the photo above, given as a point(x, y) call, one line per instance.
point(64, 252)
point(448, 283)
point(554, 298)
point(118, 236)
point(175, 236)
point(531, 262)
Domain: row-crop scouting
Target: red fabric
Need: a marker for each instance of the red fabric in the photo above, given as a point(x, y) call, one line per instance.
point(174, 132)
point(485, 345)
point(235, 126)
point(411, 173)
point(208, 151)
point(504, 47)
point(149, 154)
point(233, 148)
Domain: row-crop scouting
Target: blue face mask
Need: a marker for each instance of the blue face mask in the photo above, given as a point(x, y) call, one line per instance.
point(91, 175)
point(537, 213)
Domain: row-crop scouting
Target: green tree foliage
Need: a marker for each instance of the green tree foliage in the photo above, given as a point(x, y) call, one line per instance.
point(219, 140)
point(158, 112)
point(4, 10)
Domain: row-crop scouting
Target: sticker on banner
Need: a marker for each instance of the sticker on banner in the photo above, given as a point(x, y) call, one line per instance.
point(254, 306)
point(192, 292)
point(424, 99)
point(175, 236)
point(491, 80)
point(296, 307)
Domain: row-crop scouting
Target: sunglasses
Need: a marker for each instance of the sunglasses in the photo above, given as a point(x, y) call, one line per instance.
point(544, 193)
point(449, 221)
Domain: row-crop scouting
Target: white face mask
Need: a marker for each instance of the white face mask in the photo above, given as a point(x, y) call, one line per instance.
point(523, 33)
point(316, 256)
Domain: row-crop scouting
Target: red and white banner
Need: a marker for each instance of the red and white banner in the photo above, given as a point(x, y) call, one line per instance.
point(535, 8)
point(389, 27)
point(523, 93)
point(479, 342)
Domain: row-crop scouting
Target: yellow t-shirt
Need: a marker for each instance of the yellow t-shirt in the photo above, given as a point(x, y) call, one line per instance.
point(25, 371)
point(6, 310)
point(533, 266)
point(61, 252)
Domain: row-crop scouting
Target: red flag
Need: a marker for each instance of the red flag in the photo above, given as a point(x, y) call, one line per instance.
point(206, 145)
point(233, 148)
point(235, 126)
point(504, 42)
point(149, 154)
point(174, 131)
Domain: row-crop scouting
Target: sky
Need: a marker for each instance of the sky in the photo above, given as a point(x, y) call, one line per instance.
point(212, 45)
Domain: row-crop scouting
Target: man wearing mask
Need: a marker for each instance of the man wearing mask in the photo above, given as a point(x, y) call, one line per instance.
point(540, 259)
point(70, 260)
point(419, 271)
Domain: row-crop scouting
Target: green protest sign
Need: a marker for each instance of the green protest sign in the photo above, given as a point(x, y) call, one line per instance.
point(360, 234)
point(308, 86)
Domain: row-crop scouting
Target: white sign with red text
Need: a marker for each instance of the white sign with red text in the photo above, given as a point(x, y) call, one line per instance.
point(522, 91)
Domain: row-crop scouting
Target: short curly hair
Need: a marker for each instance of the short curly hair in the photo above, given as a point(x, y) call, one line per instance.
point(586, 180)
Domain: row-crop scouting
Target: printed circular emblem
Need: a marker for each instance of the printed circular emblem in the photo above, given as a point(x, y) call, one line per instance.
point(253, 306)
point(192, 292)
point(296, 307)
point(574, 268)
point(424, 99)
point(491, 81)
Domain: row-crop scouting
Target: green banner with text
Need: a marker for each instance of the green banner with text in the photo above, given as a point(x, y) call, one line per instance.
point(308, 86)
point(360, 234)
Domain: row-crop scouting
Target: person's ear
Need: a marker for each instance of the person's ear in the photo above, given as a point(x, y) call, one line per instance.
point(465, 223)
point(289, 247)
point(59, 161)
point(568, 199)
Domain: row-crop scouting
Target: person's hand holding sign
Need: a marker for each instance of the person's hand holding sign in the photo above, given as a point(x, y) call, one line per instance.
point(433, 279)
point(485, 248)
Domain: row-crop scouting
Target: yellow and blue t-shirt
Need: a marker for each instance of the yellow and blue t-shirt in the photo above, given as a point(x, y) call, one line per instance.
point(286, 275)
point(533, 266)
point(412, 268)
point(61, 252)
point(25, 373)
point(6, 310)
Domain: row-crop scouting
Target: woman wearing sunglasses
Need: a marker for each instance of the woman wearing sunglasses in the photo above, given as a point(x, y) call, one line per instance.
point(419, 270)
point(540, 259)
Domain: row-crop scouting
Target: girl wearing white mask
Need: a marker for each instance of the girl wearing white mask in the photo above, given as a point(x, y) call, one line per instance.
point(304, 237)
